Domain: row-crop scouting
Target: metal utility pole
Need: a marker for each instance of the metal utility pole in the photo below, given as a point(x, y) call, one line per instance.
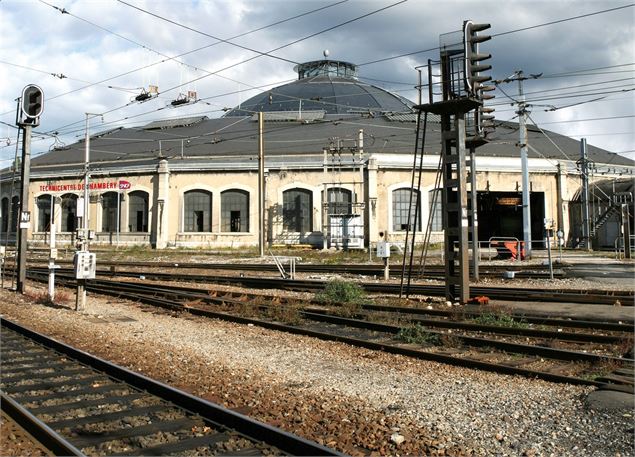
point(24, 218)
point(584, 172)
point(524, 162)
point(30, 107)
point(474, 212)
point(84, 261)
point(52, 257)
point(261, 185)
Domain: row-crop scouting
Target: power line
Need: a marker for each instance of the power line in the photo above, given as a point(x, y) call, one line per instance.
point(363, 16)
point(268, 54)
point(572, 72)
point(590, 119)
point(504, 33)
point(580, 85)
point(260, 55)
point(63, 11)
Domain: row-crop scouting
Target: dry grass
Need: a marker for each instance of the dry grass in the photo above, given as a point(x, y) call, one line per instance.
point(41, 297)
point(287, 314)
point(625, 348)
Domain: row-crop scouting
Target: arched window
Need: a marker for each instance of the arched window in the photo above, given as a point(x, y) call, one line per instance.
point(110, 212)
point(234, 205)
point(138, 211)
point(436, 210)
point(5, 214)
point(197, 211)
point(15, 207)
point(44, 213)
point(69, 213)
point(339, 201)
point(297, 210)
point(400, 205)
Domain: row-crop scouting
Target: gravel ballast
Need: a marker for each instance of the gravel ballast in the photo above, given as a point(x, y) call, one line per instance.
point(354, 400)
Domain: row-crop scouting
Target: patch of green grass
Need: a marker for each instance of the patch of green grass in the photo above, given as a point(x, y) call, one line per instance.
point(346, 295)
point(417, 334)
point(338, 292)
point(500, 319)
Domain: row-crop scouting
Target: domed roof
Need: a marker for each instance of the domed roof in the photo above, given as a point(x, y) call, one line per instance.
point(325, 85)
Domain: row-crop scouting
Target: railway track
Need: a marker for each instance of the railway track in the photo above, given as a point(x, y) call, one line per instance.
point(474, 352)
point(431, 271)
point(585, 296)
point(77, 404)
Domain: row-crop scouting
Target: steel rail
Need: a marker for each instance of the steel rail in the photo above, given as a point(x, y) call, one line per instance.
point(132, 288)
point(216, 414)
point(179, 292)
point(542, 351)
point(515, 331)
point(44, 434)
point(529, 318)
point(523, 271)
point(195, 294)
point(392, 349)
point(151, 299)
point(500, 293)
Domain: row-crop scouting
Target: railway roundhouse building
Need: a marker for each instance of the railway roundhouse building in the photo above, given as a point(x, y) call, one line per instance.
point(338, 161)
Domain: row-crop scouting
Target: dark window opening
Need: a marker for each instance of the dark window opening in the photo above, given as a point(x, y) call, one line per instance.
point(235, 211)
point(401, 217)
point(197, 211)
point(138, 211)
point(69, 213)
point(297, 210)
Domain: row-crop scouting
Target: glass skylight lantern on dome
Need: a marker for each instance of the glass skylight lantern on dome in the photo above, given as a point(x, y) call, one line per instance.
point(331, 68)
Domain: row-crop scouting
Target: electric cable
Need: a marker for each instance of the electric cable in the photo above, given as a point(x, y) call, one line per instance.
point(503, 33)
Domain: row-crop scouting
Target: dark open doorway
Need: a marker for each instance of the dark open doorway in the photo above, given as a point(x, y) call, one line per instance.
point(500, 214)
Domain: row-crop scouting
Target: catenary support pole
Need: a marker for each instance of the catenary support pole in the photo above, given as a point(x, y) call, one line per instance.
point(80, 297)
point(474, 201)
point(524, 161)
point(51, 283)
point(24, 207)
point(261, 185)
point(584, 172)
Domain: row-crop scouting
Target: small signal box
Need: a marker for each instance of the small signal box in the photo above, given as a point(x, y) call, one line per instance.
point(383, 249)
point(85, 265)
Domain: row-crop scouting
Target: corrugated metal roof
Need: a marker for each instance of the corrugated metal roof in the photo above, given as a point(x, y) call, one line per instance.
point(238, 137)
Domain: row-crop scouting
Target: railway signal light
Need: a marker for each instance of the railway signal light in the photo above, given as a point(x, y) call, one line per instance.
point(482, 95)
point(473, 59)
point(485, 120)
point(32, 103)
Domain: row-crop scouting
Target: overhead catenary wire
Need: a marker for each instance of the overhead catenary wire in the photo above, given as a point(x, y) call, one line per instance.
point(270, 51)
point(523, 29)
point(576, 17)
point(168, 58)
point(312, 35)
point(589, 70)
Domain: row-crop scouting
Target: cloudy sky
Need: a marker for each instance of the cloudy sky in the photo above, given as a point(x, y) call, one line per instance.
point(96, 56)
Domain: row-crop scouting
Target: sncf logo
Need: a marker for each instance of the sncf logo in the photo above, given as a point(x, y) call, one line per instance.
point(123, 185)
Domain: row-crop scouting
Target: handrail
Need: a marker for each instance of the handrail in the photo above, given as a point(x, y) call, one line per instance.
point(503, 238)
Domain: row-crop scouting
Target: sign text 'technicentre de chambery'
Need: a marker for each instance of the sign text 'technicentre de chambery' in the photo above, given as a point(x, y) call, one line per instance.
point(109, 185)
